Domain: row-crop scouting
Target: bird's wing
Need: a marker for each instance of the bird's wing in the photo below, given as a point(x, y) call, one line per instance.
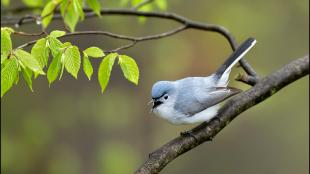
point(190, 102)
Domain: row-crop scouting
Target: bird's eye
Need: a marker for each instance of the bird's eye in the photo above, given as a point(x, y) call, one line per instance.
point(166, 97)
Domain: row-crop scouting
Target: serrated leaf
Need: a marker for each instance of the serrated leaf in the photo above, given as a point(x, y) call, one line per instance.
point(47, 13)
point(8, 29)
point(95, 6)
point(54, 68)
point(78, 8)
point(62, 66)
point(9, 73)
point(105, 69)
point(129, 68)
point(94, 52)
point(6, 42)
point(63, 6)
point(40, 52)
point(57, 33)
point(72, 60)
point(66, 44)
point(55, 45)
point(87, 67)
point(29, 61)
point(27, 74)
point(71, 18)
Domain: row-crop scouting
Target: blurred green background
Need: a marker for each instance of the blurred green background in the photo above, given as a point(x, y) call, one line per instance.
point(71, 128)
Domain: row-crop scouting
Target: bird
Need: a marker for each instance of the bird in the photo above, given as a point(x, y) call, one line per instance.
point(197, 99)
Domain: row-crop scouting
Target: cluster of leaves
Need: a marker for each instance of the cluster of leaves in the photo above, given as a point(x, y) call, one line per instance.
point(72, 10)
point(65, 56)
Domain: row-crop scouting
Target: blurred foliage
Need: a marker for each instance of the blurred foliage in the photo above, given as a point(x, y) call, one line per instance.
point(71, 128)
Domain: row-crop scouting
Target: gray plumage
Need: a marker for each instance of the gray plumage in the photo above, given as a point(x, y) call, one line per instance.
point(196, 99)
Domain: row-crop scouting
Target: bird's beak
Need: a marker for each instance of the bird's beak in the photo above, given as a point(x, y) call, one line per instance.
point(156, 102)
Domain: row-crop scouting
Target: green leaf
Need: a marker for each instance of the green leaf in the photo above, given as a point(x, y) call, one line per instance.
point(27, 74)
point(6, 42)
point(66, 44)
point(95, 5)
point(129, 68)
point(8, 29)
point(5, 2)
point(33, 3)
point(78, 8)
point(145, 8)
point(136, 2)
point(72, 60)
point(94, 52)
point(63, 7)
point(16, 79)
point(40, 52)
point(9, 73)
point(161, 4)
point(57, 33)
point(29, 61)
point(62, 66)
point(87, 67)
point(54, 68)
point(71, 16)
point(3, 58)
point(48, 13)
point(105, 69)
point(55, 45)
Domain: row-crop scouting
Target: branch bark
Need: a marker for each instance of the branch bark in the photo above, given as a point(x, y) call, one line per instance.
point(263, 89)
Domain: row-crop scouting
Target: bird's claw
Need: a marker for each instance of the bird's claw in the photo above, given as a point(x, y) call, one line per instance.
point(188, 133)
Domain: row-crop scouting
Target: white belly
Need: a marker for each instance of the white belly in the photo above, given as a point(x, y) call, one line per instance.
point(177, 118)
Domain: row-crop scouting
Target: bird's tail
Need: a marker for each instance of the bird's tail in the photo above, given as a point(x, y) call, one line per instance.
point(224, 70)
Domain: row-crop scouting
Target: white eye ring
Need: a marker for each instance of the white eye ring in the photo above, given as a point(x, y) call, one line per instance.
point(166, 97)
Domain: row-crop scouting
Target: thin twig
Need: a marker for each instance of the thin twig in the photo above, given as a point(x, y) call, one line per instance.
point(117, 36)
point(250, 80)
point(29, 34)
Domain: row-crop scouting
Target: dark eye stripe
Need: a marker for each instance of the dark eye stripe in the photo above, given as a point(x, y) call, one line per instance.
point(159, 96)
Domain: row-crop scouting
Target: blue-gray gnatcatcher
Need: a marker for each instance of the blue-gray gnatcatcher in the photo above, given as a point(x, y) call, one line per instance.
point(196, 99)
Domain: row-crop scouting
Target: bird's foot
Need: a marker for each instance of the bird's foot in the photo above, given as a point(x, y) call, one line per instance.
point(150, 154)
point(189, 133)
point(218, 119)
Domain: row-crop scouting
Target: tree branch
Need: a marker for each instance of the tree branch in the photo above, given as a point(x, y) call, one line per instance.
point(265, 88)
point(170, 16)
point(109, 34)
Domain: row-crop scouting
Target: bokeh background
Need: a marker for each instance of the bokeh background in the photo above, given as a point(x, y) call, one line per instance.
point(71, 128)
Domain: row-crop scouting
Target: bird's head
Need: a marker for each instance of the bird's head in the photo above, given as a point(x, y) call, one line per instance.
point(162, 93)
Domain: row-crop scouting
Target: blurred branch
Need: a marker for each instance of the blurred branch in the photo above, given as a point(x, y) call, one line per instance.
point(263, 89)
point(250, 80)
point(170, 16)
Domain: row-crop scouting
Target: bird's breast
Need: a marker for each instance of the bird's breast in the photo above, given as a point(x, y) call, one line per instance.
point(169, 114)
